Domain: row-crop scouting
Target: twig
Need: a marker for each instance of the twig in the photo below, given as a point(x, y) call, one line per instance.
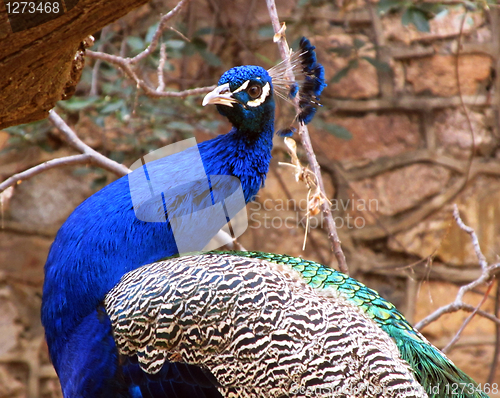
point(80, 146)
point(97, 64)
point(87, 156)
point(233, 243)
point(488, 273)
point(462, 103)
point(466, 322)
point(453, 307)
point(306, 143)
point(161, 65)
point(475, 242)
point(50, 164)
point(126, 63)
point(156, 37)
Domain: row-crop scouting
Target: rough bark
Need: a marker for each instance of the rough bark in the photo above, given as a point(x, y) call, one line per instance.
point(41, 65)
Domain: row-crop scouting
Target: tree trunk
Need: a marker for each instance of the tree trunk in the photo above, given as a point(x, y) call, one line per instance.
point(41, 54)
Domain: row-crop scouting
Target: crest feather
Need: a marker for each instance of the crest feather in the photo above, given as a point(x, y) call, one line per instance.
point(309, 80)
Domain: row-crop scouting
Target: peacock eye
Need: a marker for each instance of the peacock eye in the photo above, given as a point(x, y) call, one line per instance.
point(254, 91)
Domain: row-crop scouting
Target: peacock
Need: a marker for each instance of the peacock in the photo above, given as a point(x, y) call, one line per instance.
point(124, 317)
point(108, 235)
point(270, 325)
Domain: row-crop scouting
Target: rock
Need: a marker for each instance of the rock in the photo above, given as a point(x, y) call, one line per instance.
point(9, 327)
point(440, 235)
point(441, 27)
point(437, 74)
point(404, 188)
point(453, 133)
point(10, 387)
point(361, 82)
point(373, 136)
point(48, 198)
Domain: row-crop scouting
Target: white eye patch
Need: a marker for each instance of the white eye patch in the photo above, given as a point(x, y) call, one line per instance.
point(265, 92)
point(242, 87)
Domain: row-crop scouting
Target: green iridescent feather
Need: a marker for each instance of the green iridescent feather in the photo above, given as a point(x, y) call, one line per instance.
point(433, 370)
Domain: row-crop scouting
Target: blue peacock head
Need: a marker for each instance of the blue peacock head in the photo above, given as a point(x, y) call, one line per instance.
point(245, 94)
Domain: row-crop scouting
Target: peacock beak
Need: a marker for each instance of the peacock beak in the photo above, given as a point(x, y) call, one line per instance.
point(221, 95)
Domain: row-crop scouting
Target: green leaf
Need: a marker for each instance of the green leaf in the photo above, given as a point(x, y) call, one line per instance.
point(337, 131)
point(161, 133)
point(98, 182)
point(81, 171)
point(112, 106)
point(341, 51)
point(379, 65)
point(117, 156)
point(151, 32)
point(266, 32)
point(332, 128)
point(175, 44)
point(406, 17)
point(353, 63)
point(416, 17)
point(205, 31)
point(442, 13)
point(77, 103)
point(180, 126)
point(420, 20)
point(136, 44)
point(472, 6)
point(358, 43)
point(211, 58)
point(340, 74)
point(265, 59)
point(389, 5)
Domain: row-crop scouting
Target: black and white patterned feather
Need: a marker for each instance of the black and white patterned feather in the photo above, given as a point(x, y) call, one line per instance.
point(257, 327)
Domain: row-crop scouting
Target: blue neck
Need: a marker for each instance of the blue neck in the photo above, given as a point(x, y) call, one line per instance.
point(102, 239)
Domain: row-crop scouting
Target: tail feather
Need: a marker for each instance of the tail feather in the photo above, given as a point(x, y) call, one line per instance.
point(433, 370)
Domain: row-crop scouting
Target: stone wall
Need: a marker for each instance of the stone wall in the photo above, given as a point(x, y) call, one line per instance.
point(392, 185)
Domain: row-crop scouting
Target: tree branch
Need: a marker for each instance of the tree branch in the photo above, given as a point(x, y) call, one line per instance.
point(306, 143)
point(156, 37)
point(87, 156)
point(489, 272)
point(125, 65)
point(50, 164)
point(79, 145)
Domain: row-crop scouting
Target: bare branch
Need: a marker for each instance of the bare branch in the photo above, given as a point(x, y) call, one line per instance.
point(466, 322)
point(50, 164)
point(488, 273)
point(87, 156)
point(97, 64)
point(306, 142)
point(475, 242)
point(161, 65)
point(233, 244)
point(125, 66)
point(156, 37)
point(96, 158)
point(454, 307)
